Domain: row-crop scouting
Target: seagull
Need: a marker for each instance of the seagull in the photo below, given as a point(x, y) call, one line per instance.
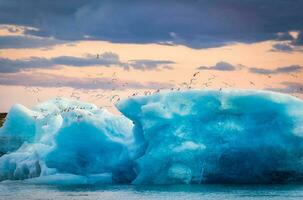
point(124, 84)
point(227, 84)
point(206, 84)
point(184, 83)
point(147, 92)
point(195, 74)
point(157, 91)
point(99, 96)
point(211, 78)
point(113, 97)
point(293, 75)
point(192, 81)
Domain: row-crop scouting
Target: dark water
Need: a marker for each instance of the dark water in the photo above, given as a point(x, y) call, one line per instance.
point(22, 191)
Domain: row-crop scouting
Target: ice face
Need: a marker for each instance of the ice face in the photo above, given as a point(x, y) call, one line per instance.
point(167, 138)
point(19, 128)
point(66, 137)
point(212, 136)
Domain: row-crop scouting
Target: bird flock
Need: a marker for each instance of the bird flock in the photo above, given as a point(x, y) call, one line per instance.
point(111, 95)
point(112, 92)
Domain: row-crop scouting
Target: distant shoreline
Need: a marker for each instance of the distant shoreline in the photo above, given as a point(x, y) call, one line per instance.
point(2, 118)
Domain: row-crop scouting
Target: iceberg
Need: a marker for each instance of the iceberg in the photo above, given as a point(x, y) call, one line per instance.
point(66, 137)
point(218, 137)
point(176, 137)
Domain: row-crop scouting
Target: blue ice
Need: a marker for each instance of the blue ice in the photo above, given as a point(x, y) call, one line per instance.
point(188, 137)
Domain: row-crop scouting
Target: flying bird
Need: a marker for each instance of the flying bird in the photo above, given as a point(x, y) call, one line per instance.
point(195, 74)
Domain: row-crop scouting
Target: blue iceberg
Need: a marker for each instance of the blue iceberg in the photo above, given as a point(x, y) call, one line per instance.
point(189, 137)
point(66, 137)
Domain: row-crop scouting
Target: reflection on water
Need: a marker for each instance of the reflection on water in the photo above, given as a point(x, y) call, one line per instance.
point(22, 191)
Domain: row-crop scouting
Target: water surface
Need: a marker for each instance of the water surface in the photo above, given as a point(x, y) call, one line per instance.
point(25, 191)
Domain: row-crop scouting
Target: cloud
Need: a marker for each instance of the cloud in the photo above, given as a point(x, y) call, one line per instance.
point(279, 70)
point(280, 47)
point(106, 59)
point(220, 66)
point(284, 37)
point(196, 24)
point(299, 40)
point(287, 47)
point(49, 80)
point(294, 87)
point(18, 42)
point(145, 64)
point(289, 87)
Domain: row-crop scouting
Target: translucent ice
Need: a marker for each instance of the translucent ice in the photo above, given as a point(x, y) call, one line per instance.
point(63, 136)
point(167, 138)
point(215, 136)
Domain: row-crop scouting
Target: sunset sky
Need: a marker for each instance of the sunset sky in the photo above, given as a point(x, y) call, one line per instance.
point(99, 51)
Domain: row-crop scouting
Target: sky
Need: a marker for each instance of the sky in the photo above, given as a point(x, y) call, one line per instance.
point(103, 51)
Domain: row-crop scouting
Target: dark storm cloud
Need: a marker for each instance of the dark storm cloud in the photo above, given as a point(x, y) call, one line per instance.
point(220, 66)
point(106, 59)
point(197, 24)
point(279, 70)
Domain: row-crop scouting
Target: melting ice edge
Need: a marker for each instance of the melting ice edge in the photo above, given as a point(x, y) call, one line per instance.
point(190, 137)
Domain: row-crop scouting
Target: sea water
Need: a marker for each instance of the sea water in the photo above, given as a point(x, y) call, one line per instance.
point(22, 191)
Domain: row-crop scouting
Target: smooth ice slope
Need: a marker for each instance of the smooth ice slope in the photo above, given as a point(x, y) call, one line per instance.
point(166, 138)
point(215, 136)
